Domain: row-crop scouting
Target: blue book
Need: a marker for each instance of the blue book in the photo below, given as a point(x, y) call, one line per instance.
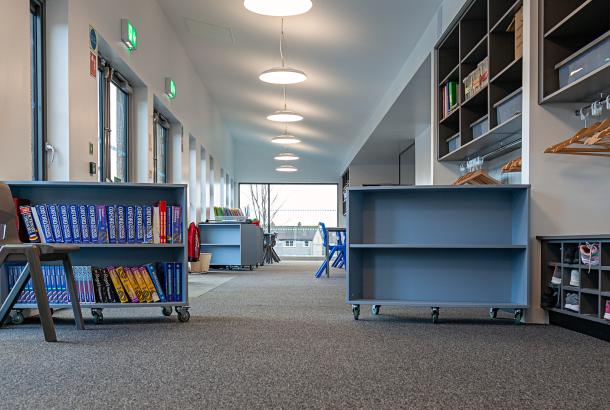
point(83, 224)
point(64, 218)
point(75, 223)
point(45, 223)
point(178, 281)
point(168, 224)
point(167, 276)
point(139, 224)
point(53, 211)
point(131, 224)
point(155, 279)
point(148, 224)
point(113, 220)
point(121, 226)
point(92, 219)
point(61, 284)
point(102, 224)
point(176, 224)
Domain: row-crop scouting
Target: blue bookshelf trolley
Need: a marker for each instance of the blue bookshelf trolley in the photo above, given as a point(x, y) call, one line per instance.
point(438, 246)
point(114, 254)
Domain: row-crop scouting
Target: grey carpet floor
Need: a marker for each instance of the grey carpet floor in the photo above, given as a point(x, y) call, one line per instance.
point(277, 338)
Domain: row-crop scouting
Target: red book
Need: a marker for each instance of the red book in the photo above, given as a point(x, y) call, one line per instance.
point(23, 233)
point(162, 221)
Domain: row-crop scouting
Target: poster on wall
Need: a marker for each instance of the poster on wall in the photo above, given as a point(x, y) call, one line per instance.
point(92, 64)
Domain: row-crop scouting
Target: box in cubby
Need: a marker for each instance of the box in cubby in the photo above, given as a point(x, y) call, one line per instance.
point(509, 106)
point(480, 127)
point(585, 63)
point(454, 142)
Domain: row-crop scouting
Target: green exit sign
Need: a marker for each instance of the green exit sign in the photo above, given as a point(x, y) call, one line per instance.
point(170, 88)
point(129, 34)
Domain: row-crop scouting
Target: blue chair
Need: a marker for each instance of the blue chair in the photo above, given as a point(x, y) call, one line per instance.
point(338, 249)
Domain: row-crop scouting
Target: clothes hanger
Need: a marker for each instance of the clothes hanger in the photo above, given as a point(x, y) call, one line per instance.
point(513, 166)
point(593, 141)
point(476, 178)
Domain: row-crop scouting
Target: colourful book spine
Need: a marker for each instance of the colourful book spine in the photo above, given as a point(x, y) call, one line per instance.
point(149, 284)
point(155, 279)
point(83, 225)
point(139, 224)
point(28, 222)
point(156, 225)
point(176, 224)
point(118, 287)
point(121, 224)
point(169, 282)
point(64, 218)
point(131, 224)
point(75, 223)
point(162, 221)
point(92, 219)
point(38, 225)
point(108, 288)
point(146, 296)
point(148, 224)
point(113, 222)
point(45, 223)
point(168, 224)
point(177, 282)
point(131, 292)
point(102, 224)
point(55, 223)
point(135, 285)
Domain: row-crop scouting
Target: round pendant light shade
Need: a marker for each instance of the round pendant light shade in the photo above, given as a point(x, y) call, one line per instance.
point(285, 116)
point(278, 8)
point(286, 139)
point(286, 168)
point(286, 157)
point(283, 75)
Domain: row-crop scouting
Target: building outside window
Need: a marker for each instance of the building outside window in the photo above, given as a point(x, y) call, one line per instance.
point(289, 244)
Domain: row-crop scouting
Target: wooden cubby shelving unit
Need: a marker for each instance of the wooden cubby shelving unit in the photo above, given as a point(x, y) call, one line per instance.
point(594, 288)
point(568, 29)
point(479, 31)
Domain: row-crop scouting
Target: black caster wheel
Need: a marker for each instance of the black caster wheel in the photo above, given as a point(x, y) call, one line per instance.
point(493, 313)
point(435, 312)
point(518, 316)
point(167, 310)
point(183, 315)
point(356, 311)
point(375, 309)
point(98, 316)
point(251, 267)
point(17, 318)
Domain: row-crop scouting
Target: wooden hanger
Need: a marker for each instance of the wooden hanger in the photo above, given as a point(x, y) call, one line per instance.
point(476, 178)
point(593, 141)
point(513, 166)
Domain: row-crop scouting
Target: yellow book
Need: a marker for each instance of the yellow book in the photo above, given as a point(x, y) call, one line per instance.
point(151, 287)
point(116, 281)
point(131, 292)
point(145, 294)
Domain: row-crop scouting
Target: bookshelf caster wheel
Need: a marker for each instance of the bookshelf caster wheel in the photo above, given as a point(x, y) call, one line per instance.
point(183, 315)
point(356, 311)
point(435, 312)
point(167, 311)
point(98, 316)
point(518, 316)
point(17, 318)
point(251, 267)
point(493, 313)
point(375, 309)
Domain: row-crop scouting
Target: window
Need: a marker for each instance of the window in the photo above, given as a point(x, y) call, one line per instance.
point(306, 244)
point(289, 244)
point(161, 137)
point(38, 96)
point(114, 103)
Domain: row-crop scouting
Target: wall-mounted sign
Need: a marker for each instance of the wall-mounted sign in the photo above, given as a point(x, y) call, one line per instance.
point(129, 35)
point(92, 64)
point(92, 39)
point(170, 88)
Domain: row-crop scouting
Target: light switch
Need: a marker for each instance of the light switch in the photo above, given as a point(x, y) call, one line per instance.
point(90, 148)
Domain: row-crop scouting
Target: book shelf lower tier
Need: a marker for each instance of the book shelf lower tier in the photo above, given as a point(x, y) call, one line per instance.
point(495, 278)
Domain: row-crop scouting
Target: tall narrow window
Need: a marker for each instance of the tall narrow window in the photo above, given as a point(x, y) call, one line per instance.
point(114, 106)
point(160, 148)
point(38, 112)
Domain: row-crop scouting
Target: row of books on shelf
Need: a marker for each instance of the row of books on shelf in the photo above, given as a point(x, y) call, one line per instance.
point(449, 93)
point(477, 79)
point(83, 224)
point(151, 283)
point(224, 211)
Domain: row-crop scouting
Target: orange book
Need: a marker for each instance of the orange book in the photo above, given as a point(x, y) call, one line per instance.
point(131, 292)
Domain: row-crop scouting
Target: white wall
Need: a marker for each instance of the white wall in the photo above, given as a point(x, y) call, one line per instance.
point(423, 158)
point(373, 174)
point(15, 83)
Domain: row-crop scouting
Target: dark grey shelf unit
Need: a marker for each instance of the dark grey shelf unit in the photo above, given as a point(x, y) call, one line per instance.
point(594, 287)
point(569, 28)
point(479, 31)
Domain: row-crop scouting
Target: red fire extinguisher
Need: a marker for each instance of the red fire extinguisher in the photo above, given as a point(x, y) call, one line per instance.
point(194, 242)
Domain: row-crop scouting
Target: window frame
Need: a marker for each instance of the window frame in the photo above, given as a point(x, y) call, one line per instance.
point(159, 119)
point(38, 92)
point(289, 243)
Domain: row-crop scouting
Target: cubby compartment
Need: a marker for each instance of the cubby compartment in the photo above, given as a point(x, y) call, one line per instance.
point(473, 26)
point(589, 305)
point(605, 255)
point(605, 281)
point(589, 280)
point(449, 54)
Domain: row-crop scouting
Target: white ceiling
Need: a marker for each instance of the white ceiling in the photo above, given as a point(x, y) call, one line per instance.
point(351, 50)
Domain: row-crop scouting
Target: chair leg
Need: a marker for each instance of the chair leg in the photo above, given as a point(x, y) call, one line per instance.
point(321, 269)
point(78, 316)
point(13, 295)
point(46, 319)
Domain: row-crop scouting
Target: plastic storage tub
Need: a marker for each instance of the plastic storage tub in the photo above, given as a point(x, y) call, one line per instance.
point(508, 106)
point(480, 127)
point(454, 142)
point(575, 68)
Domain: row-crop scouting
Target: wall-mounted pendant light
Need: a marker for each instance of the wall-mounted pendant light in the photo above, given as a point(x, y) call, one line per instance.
point(283, 74)
point(278, 8)
point(286, 157)
point(285, 115)
point(287, 168)
point(286, 139)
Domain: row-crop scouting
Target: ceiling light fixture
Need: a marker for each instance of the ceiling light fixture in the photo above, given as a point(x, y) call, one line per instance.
point(283, 75)
point(286, 139)
point(278, 8)
point(285, 115)
point(286, 157)
point(287, 168)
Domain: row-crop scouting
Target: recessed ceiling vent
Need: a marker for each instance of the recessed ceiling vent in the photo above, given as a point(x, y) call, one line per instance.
point(210, 32)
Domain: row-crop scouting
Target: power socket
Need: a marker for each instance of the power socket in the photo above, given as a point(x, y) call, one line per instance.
point(92, 168)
